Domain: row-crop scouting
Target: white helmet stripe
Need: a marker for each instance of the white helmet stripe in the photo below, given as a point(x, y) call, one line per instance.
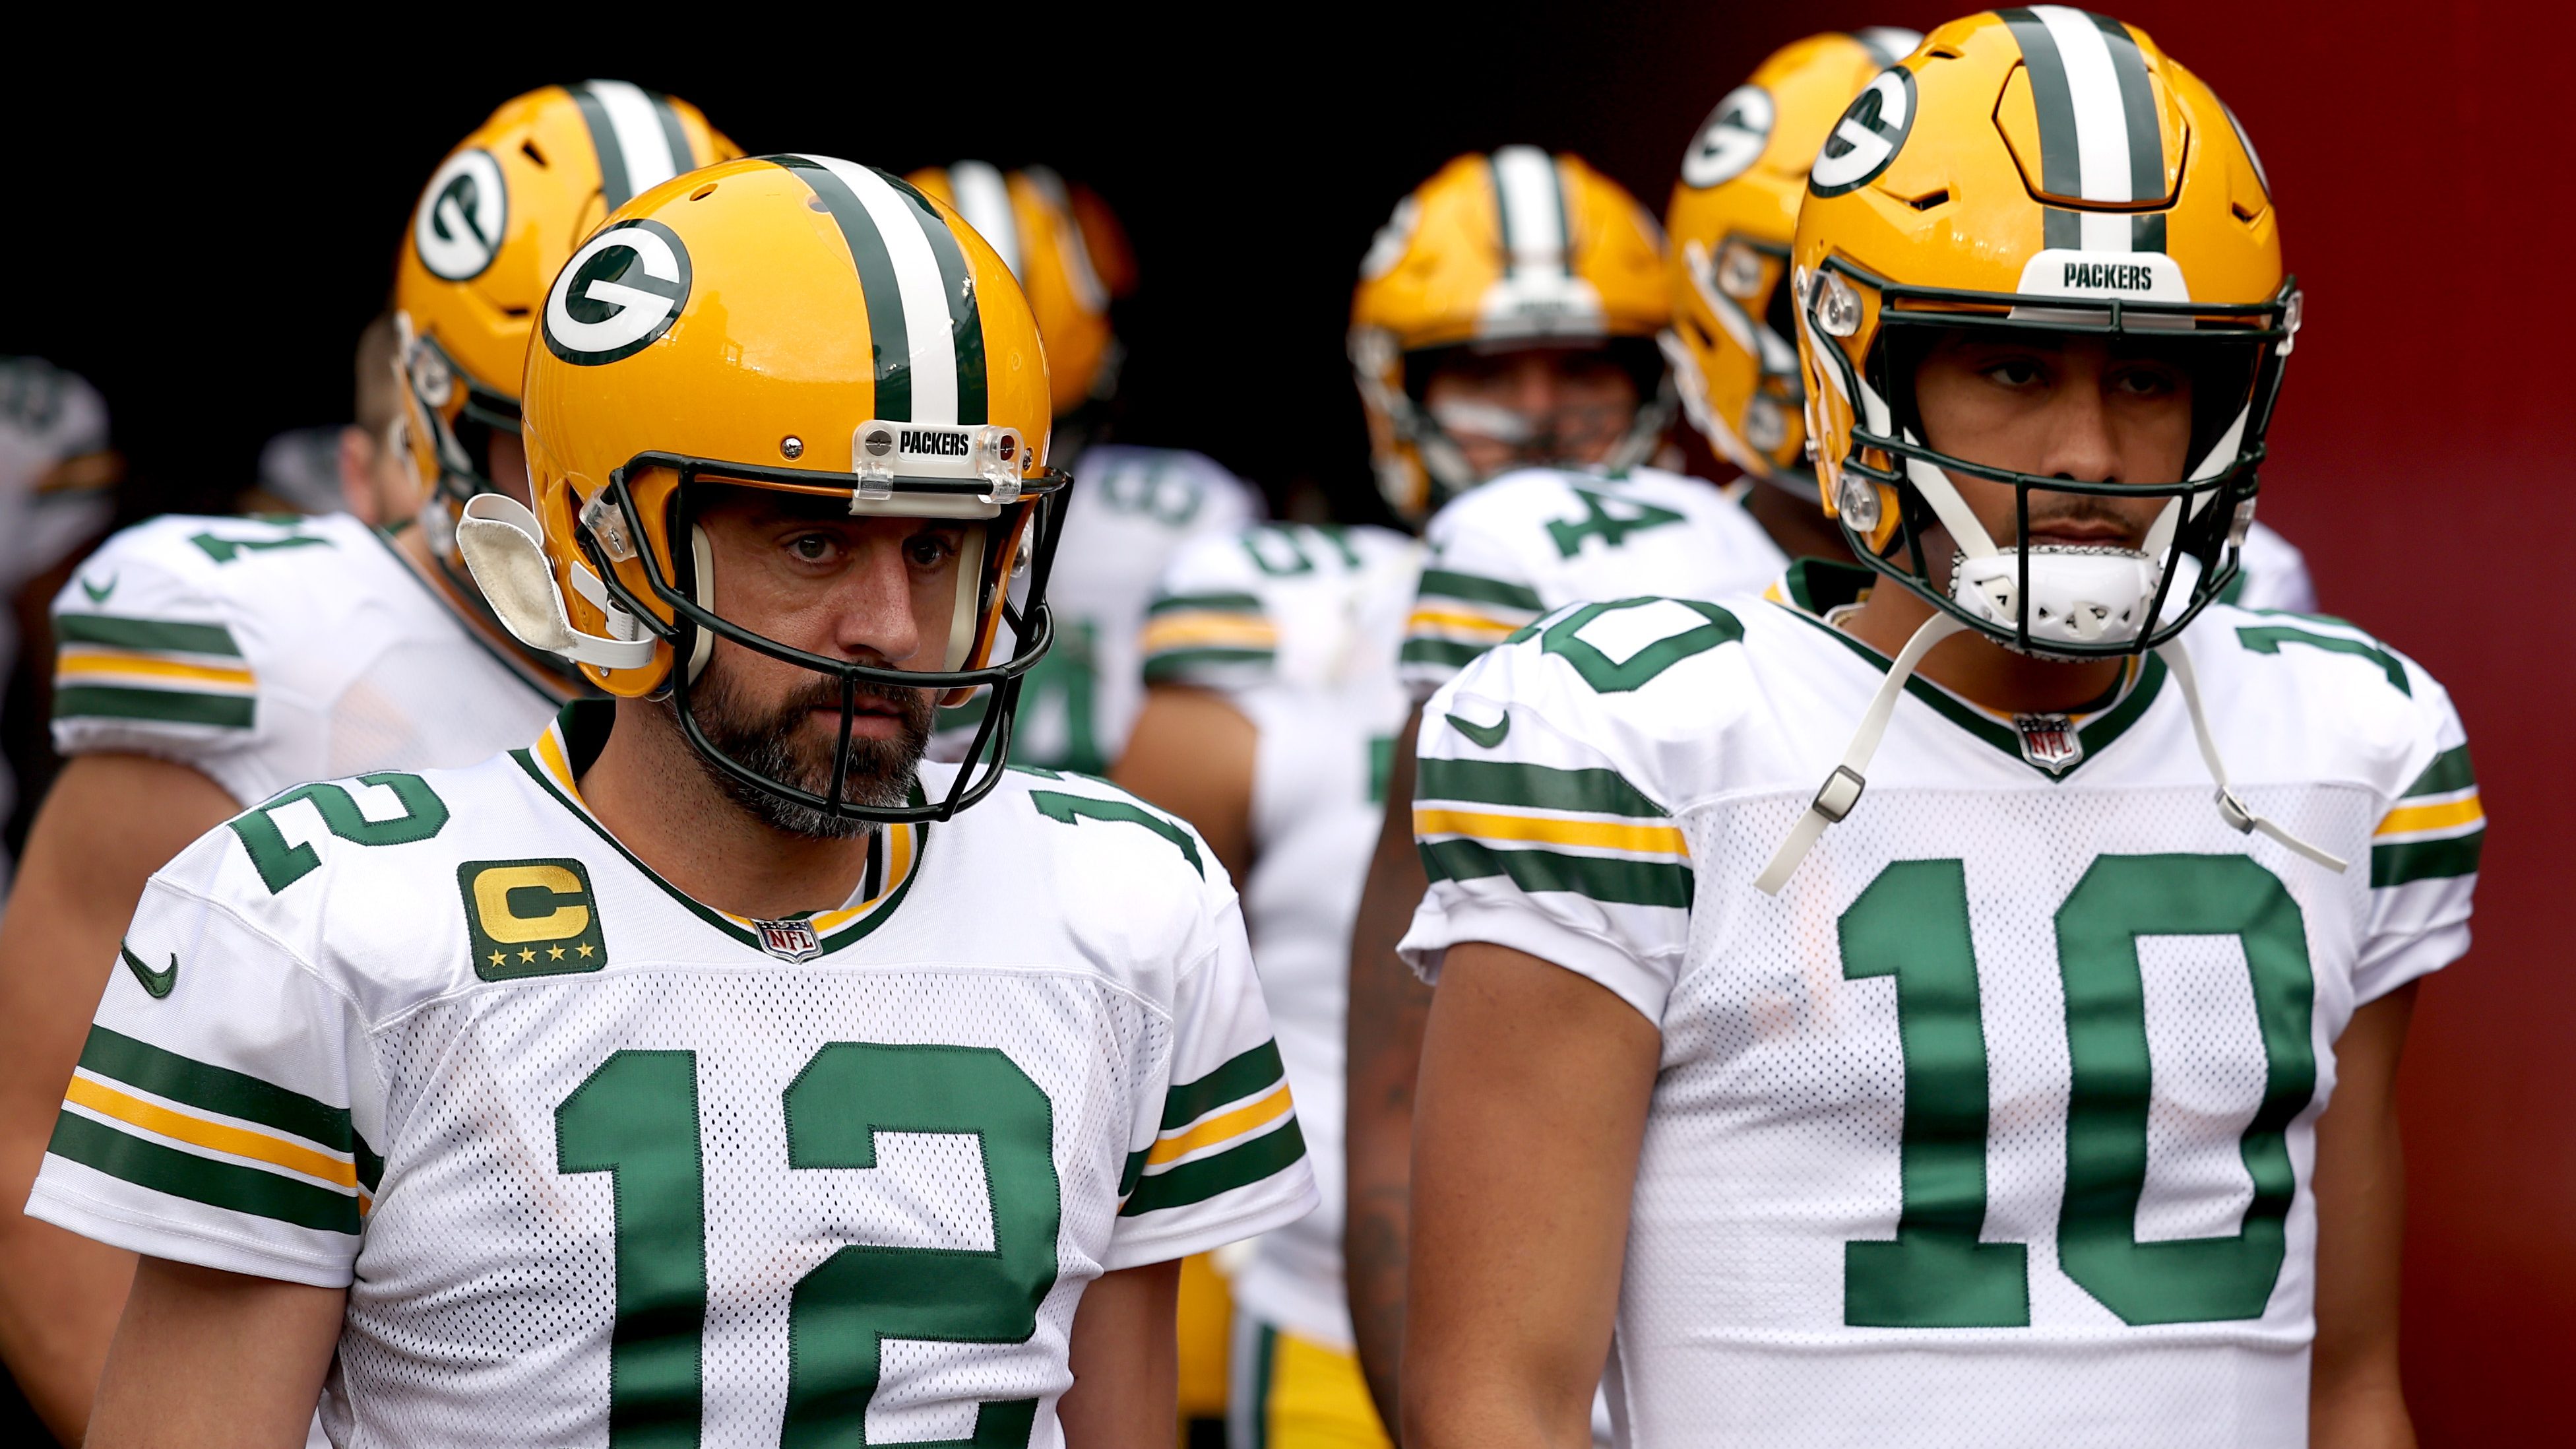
point(643, 149)
point(2101, 124)
point(1532, 209)
point(984, 199)
point(928, 333)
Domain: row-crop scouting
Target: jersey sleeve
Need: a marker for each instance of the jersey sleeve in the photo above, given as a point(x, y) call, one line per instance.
point(1479, 584)
point(216, 1114)
point(2424, 853)
point(148, 662)
point(1210, 624)
point(1538, 831)
point(1216, 1155)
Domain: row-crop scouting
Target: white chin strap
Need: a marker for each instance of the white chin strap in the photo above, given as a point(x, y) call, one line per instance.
point(504, 548)
point(1842, 789)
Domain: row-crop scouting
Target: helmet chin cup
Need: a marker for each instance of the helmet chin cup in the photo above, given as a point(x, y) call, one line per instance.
point(2078, 595)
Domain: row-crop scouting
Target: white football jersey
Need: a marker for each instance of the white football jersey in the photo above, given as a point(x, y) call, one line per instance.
point(1996, 1125)
point(1542, 538)
point(1298, 626)
point(591, 1157)
point(1131, 508)
point(267, 654)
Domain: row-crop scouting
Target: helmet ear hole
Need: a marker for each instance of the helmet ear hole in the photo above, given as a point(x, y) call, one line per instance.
point(702, 559)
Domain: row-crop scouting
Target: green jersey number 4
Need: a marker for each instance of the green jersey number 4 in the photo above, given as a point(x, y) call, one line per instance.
point(636, 1119)
point(1912, 924)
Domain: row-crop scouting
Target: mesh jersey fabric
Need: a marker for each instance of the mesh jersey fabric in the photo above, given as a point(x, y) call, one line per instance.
point(267, 654)
point(1542, 538)
point(586, 1151)
point(1298, 626)
point(1131, 509)
point(1996, 1125)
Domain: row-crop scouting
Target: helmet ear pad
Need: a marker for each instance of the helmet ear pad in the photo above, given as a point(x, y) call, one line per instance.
point(702, 589)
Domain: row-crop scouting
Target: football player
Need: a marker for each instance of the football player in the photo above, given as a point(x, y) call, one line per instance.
point(1272, 701)
point(1269, 723)
point(1136, 505)
point(2028, 1082)
point(1545, 537)
point(208, 663)
point(710, 1069)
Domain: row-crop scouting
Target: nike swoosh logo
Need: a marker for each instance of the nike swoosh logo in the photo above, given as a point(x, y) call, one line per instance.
point(98, 593)
point(156, 982)
point(1486, 735)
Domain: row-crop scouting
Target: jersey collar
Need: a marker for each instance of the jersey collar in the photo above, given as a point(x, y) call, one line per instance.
point(559, 757)
point(542, 673)
point(1813, 587)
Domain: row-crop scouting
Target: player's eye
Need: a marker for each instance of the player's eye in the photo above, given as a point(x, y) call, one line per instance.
point(812, 547)
point(2014, 372)
point(929, 550)
point(2146, 380)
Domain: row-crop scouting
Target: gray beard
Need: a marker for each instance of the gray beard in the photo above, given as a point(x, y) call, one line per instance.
point(772, 744)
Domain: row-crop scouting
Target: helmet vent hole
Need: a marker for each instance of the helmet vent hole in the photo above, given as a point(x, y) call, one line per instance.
point(514, 311)
point(2242, 214)
point(529, 150)
point(815, 203)
point(1929, 200)
point(1944, 52)
point(703, 192)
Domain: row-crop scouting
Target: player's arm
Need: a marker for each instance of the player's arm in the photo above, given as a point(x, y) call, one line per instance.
point(1389, 1006)
point(1126, 1360)
point(212, 1360)
point(1534, 1088)
point(2355, 1400)
point(109, 822)
point(1193, 753)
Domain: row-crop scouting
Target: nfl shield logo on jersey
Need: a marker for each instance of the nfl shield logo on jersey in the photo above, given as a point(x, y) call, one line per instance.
point(2049, 740)
point(789, 940)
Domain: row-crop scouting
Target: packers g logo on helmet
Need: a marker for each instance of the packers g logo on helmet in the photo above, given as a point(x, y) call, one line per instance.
point(617, 294)
point(1866, 139)
point(463, 214)
point(1731, 138)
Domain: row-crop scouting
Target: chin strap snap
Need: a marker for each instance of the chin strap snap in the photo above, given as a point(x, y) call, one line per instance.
point(1841, 790)
point(2231, 809)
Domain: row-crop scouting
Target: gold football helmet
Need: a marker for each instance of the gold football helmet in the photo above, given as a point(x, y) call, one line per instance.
point(2051, 170)
point(1028, 217)
point(788, 322)
point(489, 233)
point(1513, 249)
point(1732, 345)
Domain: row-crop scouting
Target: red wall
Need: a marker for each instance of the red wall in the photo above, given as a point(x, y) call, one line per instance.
point(2417, 155)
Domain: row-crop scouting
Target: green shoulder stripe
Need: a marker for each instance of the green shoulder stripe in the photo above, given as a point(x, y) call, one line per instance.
point(2414, 860)
point(1173, 666)
point(1494, 782)
point(219, 1184)
point(2449, 772)
point(2268, 639)
point(1619, 882)
point(1477, 589)
point(1439, 651)
point(216, 1089)
point(170, 706)
point(1194, 1182)
point(1207, 603)
point(1257, 1070)
point(169, 635)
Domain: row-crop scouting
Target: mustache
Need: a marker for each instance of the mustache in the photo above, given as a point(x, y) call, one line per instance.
point(825, 694)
